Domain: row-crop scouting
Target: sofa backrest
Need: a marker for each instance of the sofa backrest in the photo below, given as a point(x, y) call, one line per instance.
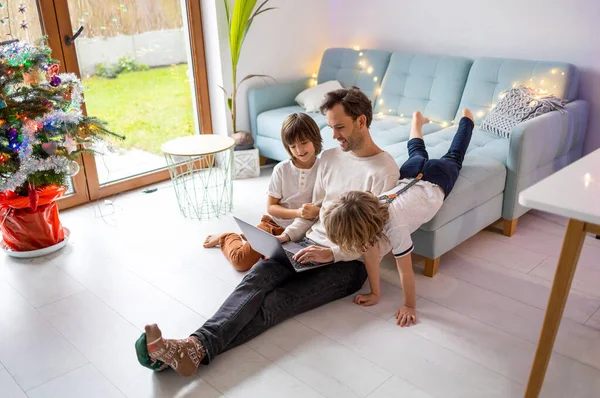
point(489, 77)
point(361, 68)
point(432, 84)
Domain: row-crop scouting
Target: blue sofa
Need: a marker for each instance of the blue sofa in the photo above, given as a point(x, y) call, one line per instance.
point(495, 169)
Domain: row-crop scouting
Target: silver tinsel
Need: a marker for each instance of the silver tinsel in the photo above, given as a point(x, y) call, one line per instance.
point(60, 118)
point(29, 166)
point(77, 88)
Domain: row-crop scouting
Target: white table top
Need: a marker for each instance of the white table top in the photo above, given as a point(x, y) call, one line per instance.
point(198, 145)
point(572, 192)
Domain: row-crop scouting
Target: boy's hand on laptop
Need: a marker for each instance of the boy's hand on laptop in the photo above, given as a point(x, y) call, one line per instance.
point(308, 211)
point(314, 254)
point(405, 316)
point(366, 300)
point(283, 238)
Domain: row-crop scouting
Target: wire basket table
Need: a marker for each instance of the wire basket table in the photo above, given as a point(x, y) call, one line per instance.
point(201, 169)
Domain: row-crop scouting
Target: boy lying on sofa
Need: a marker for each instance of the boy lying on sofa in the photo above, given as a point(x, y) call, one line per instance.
point(358, 220)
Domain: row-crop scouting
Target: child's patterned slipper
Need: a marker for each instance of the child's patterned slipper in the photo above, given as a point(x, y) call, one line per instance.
point(144, 359)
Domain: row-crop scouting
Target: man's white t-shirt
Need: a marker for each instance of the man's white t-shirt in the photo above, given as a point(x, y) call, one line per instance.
point(293, 186)
point(408, 211)
point(341, 172)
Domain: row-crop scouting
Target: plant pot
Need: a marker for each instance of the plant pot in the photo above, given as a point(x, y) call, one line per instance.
point(243, 139)
point(31, 223)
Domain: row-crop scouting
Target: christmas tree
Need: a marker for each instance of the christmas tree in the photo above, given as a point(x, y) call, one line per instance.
point(42, 127)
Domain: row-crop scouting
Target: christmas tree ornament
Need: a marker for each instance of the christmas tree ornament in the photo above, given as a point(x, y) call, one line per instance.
point(74, 168)
point(50, 147)
point(55, 81)
point(32, 77)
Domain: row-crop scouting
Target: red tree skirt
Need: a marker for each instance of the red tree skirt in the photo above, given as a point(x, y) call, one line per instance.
point(31, 223)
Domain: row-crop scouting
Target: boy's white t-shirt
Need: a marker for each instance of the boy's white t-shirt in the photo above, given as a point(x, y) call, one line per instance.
point(408, 211)
point(292, 186)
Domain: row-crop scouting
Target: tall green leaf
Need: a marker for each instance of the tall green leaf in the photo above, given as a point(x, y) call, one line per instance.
point(228, 13)
point(242, 10)
point(258, 11)
point(239, 19)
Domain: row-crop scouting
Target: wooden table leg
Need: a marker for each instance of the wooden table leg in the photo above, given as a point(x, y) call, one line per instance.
point(567, 262)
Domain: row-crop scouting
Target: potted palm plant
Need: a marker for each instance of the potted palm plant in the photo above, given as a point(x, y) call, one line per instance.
point(240, 16)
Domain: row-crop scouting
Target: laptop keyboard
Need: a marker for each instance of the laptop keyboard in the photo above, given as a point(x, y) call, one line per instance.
point(296, 264)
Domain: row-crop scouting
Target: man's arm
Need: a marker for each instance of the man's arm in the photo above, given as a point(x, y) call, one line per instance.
point(387, 178)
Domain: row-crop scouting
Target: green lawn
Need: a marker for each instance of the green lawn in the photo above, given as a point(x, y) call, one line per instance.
point(148, 107)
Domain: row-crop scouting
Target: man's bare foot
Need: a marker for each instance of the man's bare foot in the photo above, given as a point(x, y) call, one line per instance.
point(212, 241)
point(418, 121)
point(467, 113)
point(184, 355)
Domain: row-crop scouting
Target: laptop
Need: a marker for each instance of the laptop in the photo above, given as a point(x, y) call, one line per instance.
point(270, 247)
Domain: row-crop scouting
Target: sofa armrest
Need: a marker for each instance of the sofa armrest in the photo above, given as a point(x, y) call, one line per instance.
point(541, 146)
point(273, 96)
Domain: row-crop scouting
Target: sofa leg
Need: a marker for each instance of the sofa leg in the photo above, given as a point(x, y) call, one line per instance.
point(510, 227)
point(262, 160)
point(431, 266)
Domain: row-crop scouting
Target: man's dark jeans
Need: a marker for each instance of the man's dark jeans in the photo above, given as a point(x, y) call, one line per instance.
point(271, 293)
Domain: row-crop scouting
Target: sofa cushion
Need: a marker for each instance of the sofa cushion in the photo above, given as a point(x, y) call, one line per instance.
point(432, 84)
point(350, 68)
point(268, 124)
point(482, 176)
point(312, 98)
point(489, 77)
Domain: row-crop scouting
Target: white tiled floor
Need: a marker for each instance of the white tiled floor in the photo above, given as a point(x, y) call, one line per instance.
point(68, 322)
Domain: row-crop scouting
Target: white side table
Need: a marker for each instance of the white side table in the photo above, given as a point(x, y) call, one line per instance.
point(572, 192)
point(201, 169)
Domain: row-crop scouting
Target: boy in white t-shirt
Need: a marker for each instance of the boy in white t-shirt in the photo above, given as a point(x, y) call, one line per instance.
point(290, 190)
point(396, 214)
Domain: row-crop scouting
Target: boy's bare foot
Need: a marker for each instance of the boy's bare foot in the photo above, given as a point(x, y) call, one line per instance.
point(418, 121)
point(211, 241)
point(467, 113)
point(184, 355)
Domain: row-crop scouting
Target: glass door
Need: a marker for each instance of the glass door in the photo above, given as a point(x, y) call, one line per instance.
point(143, 64)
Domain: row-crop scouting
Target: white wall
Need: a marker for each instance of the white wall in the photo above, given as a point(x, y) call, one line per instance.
point(155, 48)
point(551, 30)
point(212, 29)
point(285, 43)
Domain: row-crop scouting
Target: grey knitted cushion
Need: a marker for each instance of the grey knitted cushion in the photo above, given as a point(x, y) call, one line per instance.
point(519, 104)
